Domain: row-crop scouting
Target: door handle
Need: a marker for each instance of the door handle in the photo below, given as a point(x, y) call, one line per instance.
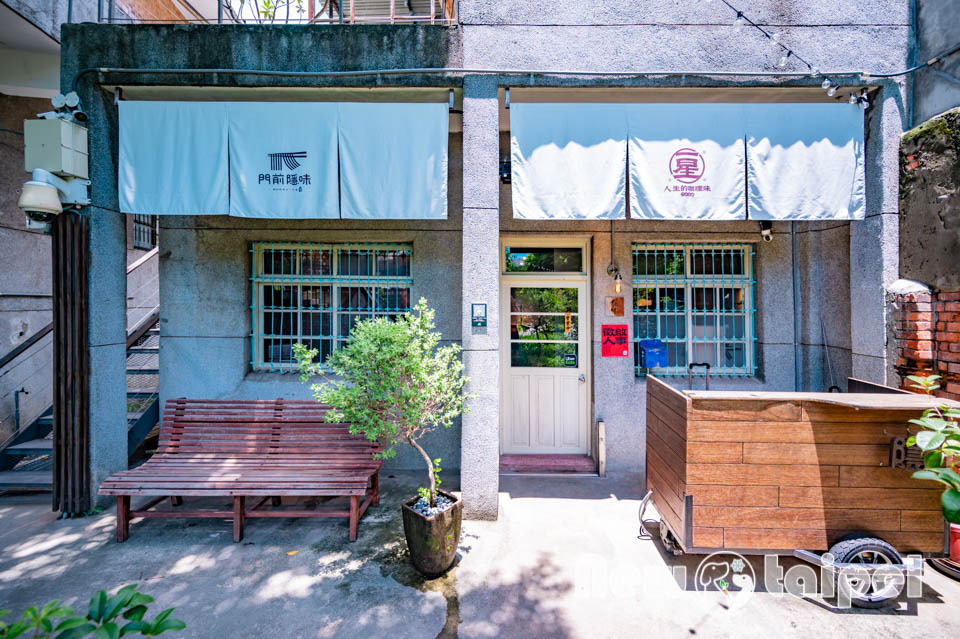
point(582, 378)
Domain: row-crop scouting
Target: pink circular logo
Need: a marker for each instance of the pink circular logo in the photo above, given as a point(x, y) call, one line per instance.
point(686, 165)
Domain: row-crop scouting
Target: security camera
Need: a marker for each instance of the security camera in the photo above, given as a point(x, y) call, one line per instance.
point(766, 231)
point(43, 197)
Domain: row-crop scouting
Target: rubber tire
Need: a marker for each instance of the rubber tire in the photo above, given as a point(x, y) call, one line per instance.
point(848, 547)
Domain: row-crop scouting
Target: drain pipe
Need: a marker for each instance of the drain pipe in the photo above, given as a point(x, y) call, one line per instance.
point(797, 384)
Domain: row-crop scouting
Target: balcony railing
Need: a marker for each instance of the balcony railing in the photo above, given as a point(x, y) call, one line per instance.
point(268, 12)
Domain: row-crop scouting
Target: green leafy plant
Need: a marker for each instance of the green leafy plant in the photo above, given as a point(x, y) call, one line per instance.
point(393, 383)
point(939, 440)
point(107, 618)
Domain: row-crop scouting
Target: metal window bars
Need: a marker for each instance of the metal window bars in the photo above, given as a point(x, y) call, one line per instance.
point(698, 301)
point(313, 294)
point(144, 231)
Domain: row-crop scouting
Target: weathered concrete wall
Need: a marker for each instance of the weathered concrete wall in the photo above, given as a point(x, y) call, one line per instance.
point(25, 287)
point(936, 89)
point(49, 15)
point(205, 298)
point(930, 202)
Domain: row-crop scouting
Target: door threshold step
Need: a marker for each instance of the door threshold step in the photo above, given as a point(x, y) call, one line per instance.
point(548, 464)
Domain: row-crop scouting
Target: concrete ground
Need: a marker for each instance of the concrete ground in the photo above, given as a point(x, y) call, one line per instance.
point(564, 560)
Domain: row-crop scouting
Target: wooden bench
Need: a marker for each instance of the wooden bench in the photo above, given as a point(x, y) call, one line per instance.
point(260, 449)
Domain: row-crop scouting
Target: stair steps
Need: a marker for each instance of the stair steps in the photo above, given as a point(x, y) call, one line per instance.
point(18, 469)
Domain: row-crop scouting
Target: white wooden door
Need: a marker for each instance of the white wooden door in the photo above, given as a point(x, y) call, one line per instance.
point(544, 366)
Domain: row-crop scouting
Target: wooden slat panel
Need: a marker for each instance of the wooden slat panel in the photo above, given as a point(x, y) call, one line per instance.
point(921, 521)
point(761, 475)
point(667, 512)
point(819, 412)
point(826, 454)
point(738, 517)
point(668, 471)
point(674, 442)
point(670, 419)
point(794, 432)
point(734, 495)
point(707, 537)
point(667, 453)
point(664, 493)
point(716, 452)
point(744, 410)
point(880, 478)
point(775, 539)
point(854, 497)
point(906, 542)
point(821, 540)
point(672, 399)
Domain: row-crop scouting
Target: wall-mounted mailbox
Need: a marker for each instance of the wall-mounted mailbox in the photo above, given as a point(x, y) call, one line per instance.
point(653, 354)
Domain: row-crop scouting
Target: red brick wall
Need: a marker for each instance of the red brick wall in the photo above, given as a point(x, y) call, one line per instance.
point(928, 339)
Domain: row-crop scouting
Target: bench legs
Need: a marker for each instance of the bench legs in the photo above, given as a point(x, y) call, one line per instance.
point(275, 501)
point(375, 481)
point(123, 518)
point(239, 513)
point(354, 516)
point(176, 501)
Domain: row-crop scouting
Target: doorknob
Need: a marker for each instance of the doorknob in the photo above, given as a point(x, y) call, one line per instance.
point(582, 377)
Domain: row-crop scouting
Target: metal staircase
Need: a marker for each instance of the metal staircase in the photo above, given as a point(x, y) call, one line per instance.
point(26, 461)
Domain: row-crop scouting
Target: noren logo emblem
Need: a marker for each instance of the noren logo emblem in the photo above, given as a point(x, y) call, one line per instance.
point(277, 160)
point(686, 165)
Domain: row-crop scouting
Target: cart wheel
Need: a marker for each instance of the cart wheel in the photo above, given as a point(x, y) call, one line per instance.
point(869, 551)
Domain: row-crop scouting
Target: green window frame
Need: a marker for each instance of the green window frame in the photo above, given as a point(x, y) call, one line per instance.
point(697, 299)
point(314, 293)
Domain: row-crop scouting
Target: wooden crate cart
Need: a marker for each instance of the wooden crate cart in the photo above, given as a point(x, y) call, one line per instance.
point(760, 472)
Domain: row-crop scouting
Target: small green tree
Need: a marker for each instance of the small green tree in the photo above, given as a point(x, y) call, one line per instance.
point(394, 383)
point(940, 442)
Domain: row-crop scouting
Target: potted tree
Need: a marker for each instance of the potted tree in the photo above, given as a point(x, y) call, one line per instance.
point(393, 384)
point(939, 440)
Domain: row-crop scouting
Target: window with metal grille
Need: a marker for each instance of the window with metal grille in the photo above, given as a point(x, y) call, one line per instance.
point(144, 231)
point(314, 294)
point(693, 303)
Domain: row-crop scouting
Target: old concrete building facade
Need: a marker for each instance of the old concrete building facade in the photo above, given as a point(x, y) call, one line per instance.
point(817, 287)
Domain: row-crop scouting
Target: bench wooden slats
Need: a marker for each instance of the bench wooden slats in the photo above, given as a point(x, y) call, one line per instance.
point(250, 448)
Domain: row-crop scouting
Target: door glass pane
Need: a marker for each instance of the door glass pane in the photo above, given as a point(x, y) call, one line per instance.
point(539, 355)
point(544, 260)
point(544, 327)
point(543, 300)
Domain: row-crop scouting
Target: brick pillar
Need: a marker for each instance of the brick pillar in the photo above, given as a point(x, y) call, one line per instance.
point(928, 339)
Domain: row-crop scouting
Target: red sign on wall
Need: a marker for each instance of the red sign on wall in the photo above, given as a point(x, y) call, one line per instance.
point(614, 341)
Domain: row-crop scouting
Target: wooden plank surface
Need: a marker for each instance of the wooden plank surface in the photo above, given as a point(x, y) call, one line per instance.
point(824, 454)
point(859, 497)
point(829, 518)
point(734, 495)
point(794, 432)
point(715, 452)
point(762, 474)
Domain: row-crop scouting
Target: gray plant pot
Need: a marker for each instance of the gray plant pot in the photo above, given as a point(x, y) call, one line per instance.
point(433, 541)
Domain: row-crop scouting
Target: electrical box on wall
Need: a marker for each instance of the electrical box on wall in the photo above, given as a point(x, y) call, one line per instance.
point(57, 146)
